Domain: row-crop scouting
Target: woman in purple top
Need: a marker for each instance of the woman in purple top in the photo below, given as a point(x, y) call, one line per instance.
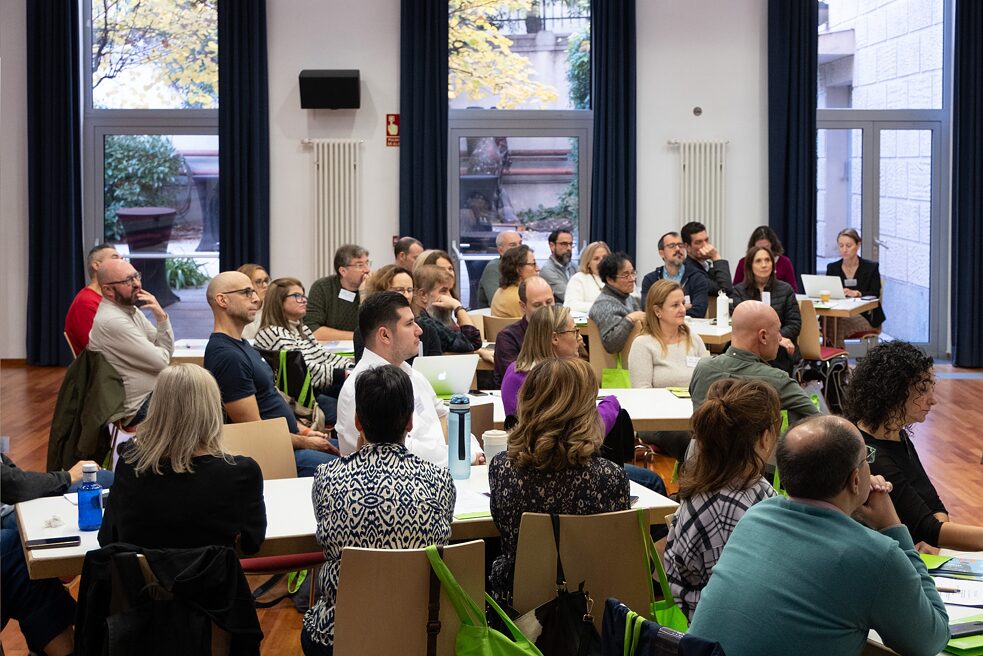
point(551, 334)
point(765, 237)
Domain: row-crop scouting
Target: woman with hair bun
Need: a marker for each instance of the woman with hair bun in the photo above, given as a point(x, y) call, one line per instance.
point(735, 429)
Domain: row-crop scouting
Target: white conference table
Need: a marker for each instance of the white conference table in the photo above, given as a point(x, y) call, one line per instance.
point(652, 409)
point(290, 521)
point(875, 645)
point(192, 351)
point(710, 331)
point(840, 307)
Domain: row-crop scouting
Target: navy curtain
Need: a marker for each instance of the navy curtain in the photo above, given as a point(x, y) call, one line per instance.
point(613, 190)
point(792, 55)
point(967, 196)
point(243, 134)
point(55, 262)
point(423, 73)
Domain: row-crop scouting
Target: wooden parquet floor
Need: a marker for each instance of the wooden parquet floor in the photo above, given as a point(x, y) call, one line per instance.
point(950, 444)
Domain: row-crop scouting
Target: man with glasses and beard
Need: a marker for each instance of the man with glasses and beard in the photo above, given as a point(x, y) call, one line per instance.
point(558, 268)
point(694, 284)
point(136, 349)
point(244, 378)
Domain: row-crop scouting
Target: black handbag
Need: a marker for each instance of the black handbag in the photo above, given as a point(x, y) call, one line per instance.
point(564, 625)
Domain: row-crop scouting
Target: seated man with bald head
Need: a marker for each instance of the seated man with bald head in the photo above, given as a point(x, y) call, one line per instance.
point(130, 343)
point(534, 293)
point(812, 574)
point(755, 339)
point(245, 380)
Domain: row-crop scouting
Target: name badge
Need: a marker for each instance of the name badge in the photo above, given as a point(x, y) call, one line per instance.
point(692, 360)
point(686, 300)
point(346, 295)
point(850, 282)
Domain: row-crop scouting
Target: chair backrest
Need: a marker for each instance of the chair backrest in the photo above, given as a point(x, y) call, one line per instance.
point(599, 358)
point(605, 551)
point(393, 586)
point(71, 347)
point(482, 419)
point(495, 325)
point(267, 442)
point(478, 319)
point(808, 340)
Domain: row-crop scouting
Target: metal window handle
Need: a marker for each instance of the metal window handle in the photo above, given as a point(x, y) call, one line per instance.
point(882, 244)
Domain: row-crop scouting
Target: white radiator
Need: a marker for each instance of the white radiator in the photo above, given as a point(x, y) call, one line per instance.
point(702, 185)
point(337, 206)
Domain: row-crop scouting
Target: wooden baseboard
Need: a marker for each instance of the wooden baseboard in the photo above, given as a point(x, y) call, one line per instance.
point(18, 363)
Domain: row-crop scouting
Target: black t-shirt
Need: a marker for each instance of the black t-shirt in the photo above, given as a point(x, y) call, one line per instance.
point(913, 494)
point(241, 371)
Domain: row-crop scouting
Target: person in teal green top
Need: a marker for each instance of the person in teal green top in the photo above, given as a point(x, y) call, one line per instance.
point(803, 576)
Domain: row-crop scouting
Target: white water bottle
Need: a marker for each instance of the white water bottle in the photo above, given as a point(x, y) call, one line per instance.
point(723, 308)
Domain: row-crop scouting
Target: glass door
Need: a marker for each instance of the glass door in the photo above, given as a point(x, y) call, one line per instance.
point(882, 178)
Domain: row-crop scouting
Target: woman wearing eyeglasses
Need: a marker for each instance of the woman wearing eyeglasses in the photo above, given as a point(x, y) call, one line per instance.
point(517, 264)
point(890, 390)
point(261, 282)
point(283, 329)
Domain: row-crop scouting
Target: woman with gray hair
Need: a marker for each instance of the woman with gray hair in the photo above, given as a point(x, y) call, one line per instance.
point(175, 486)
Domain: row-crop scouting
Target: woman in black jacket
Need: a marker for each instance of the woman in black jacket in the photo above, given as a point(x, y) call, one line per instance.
point(759, 276)
point(860, 278)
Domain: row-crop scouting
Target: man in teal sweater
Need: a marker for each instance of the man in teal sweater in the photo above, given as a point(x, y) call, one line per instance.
point(802, 576)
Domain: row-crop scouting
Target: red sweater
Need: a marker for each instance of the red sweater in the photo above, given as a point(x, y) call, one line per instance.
point(78, 321)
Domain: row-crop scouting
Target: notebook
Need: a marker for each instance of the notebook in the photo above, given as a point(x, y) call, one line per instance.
point(815, 284)
point(448, 374)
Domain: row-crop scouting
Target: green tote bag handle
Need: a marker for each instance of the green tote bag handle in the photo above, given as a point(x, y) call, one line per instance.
point(665, 612)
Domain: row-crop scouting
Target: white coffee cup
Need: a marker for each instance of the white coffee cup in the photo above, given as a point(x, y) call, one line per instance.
point(494, 441)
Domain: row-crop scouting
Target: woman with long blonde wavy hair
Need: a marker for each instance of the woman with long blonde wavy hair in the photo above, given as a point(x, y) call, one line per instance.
point(552, 464)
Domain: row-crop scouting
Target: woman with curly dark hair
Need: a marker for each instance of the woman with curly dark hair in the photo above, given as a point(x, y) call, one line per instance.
point(891, 389)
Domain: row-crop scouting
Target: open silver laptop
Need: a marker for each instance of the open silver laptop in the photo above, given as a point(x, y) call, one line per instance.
point(448, 374)
point(815, 284)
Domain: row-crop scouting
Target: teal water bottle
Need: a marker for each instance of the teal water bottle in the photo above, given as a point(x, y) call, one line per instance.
point(459, 437)
point(90, 499)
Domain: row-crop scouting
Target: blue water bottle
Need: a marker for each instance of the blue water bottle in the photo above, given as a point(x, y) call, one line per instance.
point(90, 499)
point(459, 437)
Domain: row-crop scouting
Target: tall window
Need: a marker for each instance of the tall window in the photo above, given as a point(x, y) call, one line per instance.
point(883, 124)
point(151, 145)
point(520, 125)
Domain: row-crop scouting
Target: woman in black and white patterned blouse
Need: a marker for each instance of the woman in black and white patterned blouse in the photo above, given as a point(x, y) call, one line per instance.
point(552, 463)
point(380, 497)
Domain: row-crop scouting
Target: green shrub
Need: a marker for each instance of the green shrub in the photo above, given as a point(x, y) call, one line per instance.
point(139, 172)
point(183, 272)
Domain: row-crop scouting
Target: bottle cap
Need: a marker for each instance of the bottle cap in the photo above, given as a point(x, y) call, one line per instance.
point(90, 468)
point(460, 400)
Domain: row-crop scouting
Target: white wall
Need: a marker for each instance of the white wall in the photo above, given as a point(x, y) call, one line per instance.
point(316, 34)
point(699, 52)
point(713, 55)
point(13, 180)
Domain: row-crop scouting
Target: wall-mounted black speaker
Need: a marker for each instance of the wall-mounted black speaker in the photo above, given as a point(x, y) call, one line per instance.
point(321, 89)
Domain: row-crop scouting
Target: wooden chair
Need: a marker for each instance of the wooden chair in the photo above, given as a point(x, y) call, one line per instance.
point(382, 602)
point(495, 325)
point(599, 358)
point(605, 551)
point(268, 443)
point(831, 363)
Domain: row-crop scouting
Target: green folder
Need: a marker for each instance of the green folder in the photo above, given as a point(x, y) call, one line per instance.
point(971, 646)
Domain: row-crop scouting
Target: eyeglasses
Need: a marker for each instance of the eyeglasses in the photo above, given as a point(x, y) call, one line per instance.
point(364, 266)
point(402, 290)
point(627, 276)
point(262, 282)
point(564, 243)
point(869, 456)
point(673, 247)
point(300, 298)
point(248, 292)
point(564, 332)
point(532, 264)
point(129, 280)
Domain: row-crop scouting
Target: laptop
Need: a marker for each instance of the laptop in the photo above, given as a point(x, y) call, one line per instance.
point(815, 284)
point(448, 374)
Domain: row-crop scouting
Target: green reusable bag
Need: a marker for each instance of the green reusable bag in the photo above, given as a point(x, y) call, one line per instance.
point(475, 638)
point(617, 378)
point(665, 611)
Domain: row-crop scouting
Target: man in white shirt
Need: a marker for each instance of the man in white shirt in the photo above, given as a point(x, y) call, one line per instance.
point(391, 336)
point(130, 343)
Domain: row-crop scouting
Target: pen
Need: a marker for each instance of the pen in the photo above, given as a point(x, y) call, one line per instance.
point(941, 588)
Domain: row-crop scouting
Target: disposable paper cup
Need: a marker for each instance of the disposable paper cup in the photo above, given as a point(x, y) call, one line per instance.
point(494, 441)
